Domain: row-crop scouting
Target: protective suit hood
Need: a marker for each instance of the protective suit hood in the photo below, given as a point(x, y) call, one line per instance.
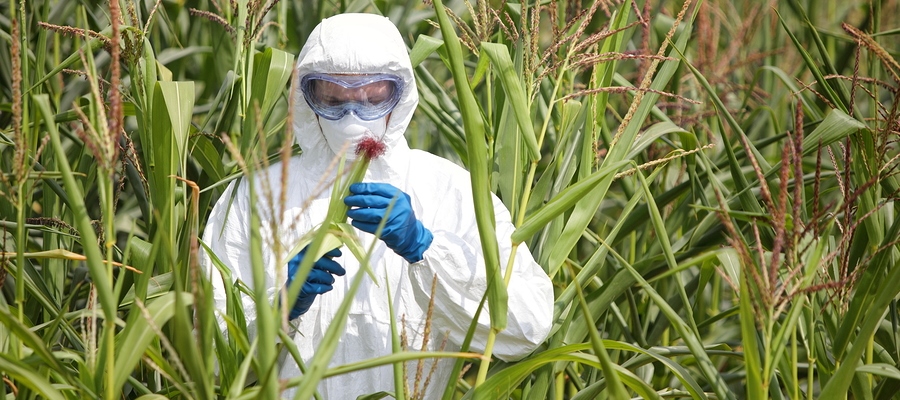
point(353, 44)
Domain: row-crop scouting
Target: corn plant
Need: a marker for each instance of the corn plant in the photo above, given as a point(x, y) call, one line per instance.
point(711, 185)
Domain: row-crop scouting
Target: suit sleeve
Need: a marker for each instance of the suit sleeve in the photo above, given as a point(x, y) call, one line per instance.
point(227, 235)
point(455, 257)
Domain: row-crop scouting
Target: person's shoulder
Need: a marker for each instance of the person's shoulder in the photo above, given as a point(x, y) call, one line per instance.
point(423, 162)
point(265, 178)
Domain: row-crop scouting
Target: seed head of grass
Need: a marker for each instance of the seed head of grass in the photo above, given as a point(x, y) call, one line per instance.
point(891, 66)
point(116, 114)
point(76, 32)
point(215, 18)
point(19, 140)
point(648, 75)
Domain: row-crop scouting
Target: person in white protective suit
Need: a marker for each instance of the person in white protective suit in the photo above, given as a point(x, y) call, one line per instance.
point(356, 80)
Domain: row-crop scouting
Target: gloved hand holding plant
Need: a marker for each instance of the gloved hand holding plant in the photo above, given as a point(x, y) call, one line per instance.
point(402, 232)
point(319, 280)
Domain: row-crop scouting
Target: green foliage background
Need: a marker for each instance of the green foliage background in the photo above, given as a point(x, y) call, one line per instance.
point(711, 185)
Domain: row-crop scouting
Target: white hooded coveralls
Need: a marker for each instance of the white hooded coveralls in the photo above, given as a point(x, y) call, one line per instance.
point(442, 201)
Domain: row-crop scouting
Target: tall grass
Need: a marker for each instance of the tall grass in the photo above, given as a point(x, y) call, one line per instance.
point(711, 185)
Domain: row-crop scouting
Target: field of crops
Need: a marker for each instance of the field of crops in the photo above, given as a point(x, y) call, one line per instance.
point(711, 185)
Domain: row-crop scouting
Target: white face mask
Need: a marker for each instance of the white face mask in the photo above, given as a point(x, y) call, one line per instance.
point(343, 134)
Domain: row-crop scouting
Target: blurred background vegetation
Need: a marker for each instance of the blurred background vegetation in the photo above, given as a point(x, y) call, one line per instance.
point(711, 185)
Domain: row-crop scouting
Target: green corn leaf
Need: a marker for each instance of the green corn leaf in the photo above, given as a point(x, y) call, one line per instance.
point(481, 70)
point(662, 355)
point(478, 171)
point(650, 135)
point(612, 289)
point(511, 163)
point(564, 201)
point(874, 294)
point(138, 334)
point(163, 73)
point(179, 102)
point(570, 155)
point(576, 152)
point(585, 209)
point(752, 349)
point(167, 366)
point(791, 319)
point(808, 105)
point(833, 86)
point(399, 376)
point(836, 126)
point(318, 366)
point(866, 290)
point(159, 285)
point(172, 112)
point(200, 318)
point(635, 383)
point(91, 45)
point(748, 200)
point(616, 389)
point(29, 338)
point(169, 55)
point(880, 369)
point(502, 383)
point(266, 354)
point(144, 93)
point(205, 153)
point(241, 375)
point(425, 45)
point(515, 94)
point(82, 219)
point(707, 368)
point(271, 71)
point(222, 104)
point(813, 67)
point(379, 396)
point(436, 104)
point(27, 376)
point(662, 236)
point(449, 390)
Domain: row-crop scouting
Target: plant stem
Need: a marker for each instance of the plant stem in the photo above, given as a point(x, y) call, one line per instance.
point(523, 206)
point(510, 263)
point(794, 362)
point(242, 60)
point(870, 355)
point(337, 209)
point(811, 343)
point(109, 333)
point(21, 248)
point(264, 314)
point(486, 363)
point(483, 368)
point(480, 178)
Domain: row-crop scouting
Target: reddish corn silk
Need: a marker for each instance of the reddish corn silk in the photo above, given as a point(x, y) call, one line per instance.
point(370, 148)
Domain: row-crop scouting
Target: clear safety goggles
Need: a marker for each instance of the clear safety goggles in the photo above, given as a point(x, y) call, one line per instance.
point(369, 97)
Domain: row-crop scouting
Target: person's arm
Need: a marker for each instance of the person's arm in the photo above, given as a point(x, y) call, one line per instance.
point(455, 256)
point(227, 235)
point(447, 245)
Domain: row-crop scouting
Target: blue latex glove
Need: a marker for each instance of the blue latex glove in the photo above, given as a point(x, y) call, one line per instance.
point(319, 280)
point(402, 232)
